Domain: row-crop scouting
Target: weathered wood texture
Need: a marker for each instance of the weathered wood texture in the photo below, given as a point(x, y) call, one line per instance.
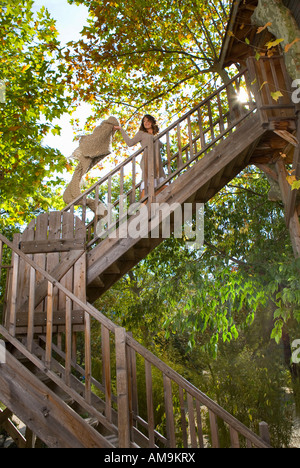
point(45, 407)
point(44, 412)
point(46, 282)
point(56, 242)
point(239, 124)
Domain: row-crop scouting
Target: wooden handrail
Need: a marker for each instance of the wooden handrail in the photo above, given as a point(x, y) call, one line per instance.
point(200, 104)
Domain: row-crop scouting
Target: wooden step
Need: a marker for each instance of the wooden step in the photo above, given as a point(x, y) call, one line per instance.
point(43, 411)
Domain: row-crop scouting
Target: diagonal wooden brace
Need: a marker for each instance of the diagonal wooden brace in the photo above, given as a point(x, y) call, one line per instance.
point(58, 273)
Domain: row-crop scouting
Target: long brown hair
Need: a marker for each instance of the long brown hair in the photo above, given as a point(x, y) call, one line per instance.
point(153, 122)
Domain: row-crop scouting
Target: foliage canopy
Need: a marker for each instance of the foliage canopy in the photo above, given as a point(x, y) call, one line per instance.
point(34, 97)
point(147, 55)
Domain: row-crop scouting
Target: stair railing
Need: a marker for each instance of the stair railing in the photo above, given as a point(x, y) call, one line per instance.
point(112, 378)
point(185, 142)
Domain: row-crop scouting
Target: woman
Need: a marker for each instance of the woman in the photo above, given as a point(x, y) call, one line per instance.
point(148, 127)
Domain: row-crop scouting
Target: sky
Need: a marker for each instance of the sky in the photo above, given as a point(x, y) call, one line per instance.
point(70, 20)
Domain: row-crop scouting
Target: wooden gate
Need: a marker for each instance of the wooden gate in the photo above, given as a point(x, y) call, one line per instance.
point(56, 242)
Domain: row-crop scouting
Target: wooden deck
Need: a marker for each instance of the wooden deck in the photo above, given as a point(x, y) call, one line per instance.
point(65, 260)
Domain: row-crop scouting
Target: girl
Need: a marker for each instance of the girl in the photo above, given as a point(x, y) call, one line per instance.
point(148, 127)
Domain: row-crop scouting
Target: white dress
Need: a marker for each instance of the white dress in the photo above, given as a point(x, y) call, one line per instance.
point(143, 138)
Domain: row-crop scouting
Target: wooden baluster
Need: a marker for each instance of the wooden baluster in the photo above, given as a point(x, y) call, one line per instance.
point(109, 203)
point(84, 201)
point(190, 403)
point(31, 307)
point(214, 430)
point(106, 371)
point(149, 156)
point(88, 358)
point(190, 138)
point(211, 123)
point(14, 292)
point(157, 160)
point(168, 153)
point(202, 137)
point(199, 424)
point(121, 197)
point(169, 412)
point(68, 341)
point(122, 389)
point(134, 394)
point(179, 157)
point(96, 211)
point(49, 327)
point(221, 118)
point(150, 410)
point(234, 438)
point(183, 418)
point(133, 183)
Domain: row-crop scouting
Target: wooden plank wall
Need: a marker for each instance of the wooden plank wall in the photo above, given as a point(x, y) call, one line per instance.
point(293, 5)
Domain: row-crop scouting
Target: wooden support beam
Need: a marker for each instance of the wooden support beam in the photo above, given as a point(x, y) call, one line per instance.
point(4, 415)
point(288, 137)
point(267, 170)
point(46, 246)
point(58, 272)
point(122, 389)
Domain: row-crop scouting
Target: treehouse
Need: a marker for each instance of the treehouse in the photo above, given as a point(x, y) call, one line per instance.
point(64, 261)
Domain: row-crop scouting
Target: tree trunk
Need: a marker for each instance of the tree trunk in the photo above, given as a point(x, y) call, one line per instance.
point(283, 26)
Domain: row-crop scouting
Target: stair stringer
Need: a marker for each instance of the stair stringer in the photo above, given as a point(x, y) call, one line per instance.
point(111, 257)
point(46, 415)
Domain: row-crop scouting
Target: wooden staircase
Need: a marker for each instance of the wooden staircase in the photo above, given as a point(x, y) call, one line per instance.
point(71, 392)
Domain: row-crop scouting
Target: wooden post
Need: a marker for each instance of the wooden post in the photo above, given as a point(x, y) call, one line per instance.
point(14, 290)
point(31, 302)
point(122, 389)
point(170, 426)
point(68, 365)
point(106, 372)
point(49, 327)
point(88, 357)
point(264, 432)
point(150, 159)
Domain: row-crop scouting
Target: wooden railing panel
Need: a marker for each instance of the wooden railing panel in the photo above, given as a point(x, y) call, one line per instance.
point(183, 404)
point(184, 143)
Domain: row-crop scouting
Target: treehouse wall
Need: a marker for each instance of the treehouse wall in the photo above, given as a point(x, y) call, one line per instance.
point(241, 34)
point(293, 5)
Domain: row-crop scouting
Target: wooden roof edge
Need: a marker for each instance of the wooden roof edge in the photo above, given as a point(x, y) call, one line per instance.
point(232, 18)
